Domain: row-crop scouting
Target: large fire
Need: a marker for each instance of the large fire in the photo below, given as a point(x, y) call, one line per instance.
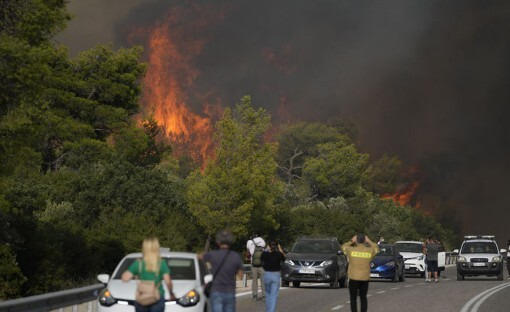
point(172, 48)
point(406, 193)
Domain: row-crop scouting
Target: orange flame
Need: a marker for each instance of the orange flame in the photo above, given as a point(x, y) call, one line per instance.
point(172, 47)
point(406, 193)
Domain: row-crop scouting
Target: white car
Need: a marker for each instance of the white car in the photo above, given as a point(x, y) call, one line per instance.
point(414, 258)
point(189, 275)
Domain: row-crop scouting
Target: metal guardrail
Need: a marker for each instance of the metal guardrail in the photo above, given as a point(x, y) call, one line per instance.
point(52, 301)
point(450, 258)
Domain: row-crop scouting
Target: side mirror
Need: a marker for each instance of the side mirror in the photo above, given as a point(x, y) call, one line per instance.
point(208, 278)
point(103, 278)
point(456, 251)
point(502, 251)
point(340, 253)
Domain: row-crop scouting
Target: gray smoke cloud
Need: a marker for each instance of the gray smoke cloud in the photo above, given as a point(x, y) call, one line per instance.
point(425, 80)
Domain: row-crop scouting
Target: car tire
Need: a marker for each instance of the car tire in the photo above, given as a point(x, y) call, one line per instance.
point(395, 277)
point(296, 284)
point(402, 277)
point(500, 276)
point(343, 282)
point(285, 284)
point(334, 283)
point(460, 277)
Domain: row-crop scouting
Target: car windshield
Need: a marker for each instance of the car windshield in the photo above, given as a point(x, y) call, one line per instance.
point(479, 247)
point(409, 247)
point(310, 246)
point(180, 268)
point(385, 251)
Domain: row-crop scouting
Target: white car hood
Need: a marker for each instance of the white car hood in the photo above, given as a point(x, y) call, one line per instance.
point(126, 290)
point(409, 255)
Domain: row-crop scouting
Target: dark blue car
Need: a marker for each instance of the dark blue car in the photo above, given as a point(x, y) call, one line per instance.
point(388, 264)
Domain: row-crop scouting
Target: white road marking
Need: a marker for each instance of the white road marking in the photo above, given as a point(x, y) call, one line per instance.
point(381, 292)
point(368, 296)
point(338, 307)
point(348, 302)
point(407, 286)
point(474, 303)
point(395, 288)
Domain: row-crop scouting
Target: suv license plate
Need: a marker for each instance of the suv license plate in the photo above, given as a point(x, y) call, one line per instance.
point(480, 264)
point(307, 271)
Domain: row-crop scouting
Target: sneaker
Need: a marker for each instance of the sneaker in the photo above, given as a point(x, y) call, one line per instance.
point(427, 280)
point(436, 280)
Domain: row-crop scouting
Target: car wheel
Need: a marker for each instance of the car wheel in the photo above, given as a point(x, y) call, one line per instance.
point(395, 277)
point(402, 276)
point(460, 277)
point(343, 282)
point(334, 283)
point(285, 284)
point(296, 284)
point(500, 276)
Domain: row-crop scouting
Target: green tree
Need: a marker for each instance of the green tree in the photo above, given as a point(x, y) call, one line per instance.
point(239, 189)
point(381, 177)
point(336, 171)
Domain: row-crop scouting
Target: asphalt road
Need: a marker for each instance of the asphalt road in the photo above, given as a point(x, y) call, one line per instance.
point(483, 294)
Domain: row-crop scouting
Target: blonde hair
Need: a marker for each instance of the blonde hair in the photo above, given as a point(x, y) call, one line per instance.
point(150, 250)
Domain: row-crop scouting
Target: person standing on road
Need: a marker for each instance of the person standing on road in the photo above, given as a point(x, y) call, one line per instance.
point(225, 264)
point(151, 268)
point(255, 247)
point(272, 266)
point(360, 251)
point(432, 250)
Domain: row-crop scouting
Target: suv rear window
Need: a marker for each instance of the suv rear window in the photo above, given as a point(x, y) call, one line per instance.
point(180, 268)
point(409, 247)
point(479, 247)
point(311, 246)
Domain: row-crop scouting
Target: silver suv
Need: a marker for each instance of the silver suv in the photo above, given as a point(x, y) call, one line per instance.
point(479, 255)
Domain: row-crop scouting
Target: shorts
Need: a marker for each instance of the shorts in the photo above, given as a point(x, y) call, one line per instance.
point(432, 265)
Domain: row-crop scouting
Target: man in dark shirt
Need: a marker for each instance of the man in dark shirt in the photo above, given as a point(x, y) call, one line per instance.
point(225, 265)
point(272, 263)
point(432, 249)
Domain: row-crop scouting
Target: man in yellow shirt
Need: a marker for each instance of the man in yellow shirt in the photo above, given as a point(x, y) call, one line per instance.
point(360, 251)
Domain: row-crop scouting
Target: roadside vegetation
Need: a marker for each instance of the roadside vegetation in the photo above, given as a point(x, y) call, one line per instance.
point(82, 181)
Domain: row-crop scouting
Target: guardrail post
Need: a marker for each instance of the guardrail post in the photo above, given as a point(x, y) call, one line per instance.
point(245, 279)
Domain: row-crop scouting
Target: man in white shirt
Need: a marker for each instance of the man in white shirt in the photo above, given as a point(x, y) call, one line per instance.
point(255, 247)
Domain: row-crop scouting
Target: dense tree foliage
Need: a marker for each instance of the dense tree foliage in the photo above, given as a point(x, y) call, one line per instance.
point(84, 176)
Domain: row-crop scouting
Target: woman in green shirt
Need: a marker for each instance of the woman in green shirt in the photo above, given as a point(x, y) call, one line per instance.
point(151, 268)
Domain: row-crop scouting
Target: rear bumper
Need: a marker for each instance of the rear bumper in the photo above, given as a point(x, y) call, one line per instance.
point(388, 273)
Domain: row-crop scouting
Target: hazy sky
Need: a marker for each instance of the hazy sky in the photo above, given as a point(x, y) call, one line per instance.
point(425, 80)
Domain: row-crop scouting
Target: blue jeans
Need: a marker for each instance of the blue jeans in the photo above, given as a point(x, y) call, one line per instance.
point(272, 283)
point(222, 301)
point(156, 307)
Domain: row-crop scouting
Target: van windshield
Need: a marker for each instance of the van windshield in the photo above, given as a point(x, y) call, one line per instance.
point(479, 247)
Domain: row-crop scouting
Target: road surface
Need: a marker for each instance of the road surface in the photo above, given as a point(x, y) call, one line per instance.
point(482, 294)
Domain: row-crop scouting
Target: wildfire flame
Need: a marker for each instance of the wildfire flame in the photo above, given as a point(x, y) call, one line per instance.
point(406, 193)
point(169, 82)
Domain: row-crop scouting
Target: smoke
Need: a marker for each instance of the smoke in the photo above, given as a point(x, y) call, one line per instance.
point(425, 80)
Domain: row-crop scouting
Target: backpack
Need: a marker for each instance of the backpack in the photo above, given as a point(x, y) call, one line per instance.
point(256, 258)
point(147, 292)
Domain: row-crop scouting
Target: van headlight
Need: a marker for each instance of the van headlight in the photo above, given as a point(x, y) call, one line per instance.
point(497, 259)
point(461, 259)
point(191, 298)
point(106, 299)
